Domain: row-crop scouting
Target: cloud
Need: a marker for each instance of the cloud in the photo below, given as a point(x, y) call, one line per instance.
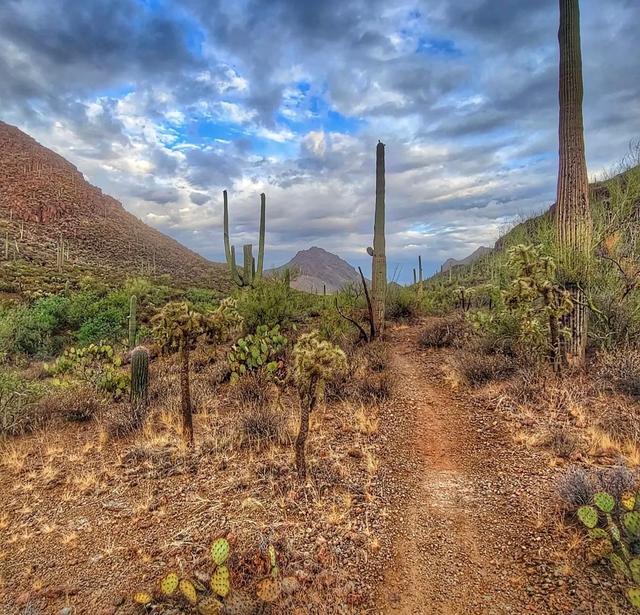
point(164, 105)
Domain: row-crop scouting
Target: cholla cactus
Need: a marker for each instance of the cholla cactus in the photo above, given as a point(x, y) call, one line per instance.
point(538, 300)
point(178, 327)
point(315, 361)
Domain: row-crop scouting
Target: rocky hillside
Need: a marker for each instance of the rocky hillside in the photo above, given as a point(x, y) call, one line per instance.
point(45, 201)
point(314, 269)
point(474, 256)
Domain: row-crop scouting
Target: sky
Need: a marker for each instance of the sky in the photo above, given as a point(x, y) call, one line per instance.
point(163, 104)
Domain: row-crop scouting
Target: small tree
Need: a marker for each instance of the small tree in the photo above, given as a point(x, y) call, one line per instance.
point(315, 361)
point(178, 327)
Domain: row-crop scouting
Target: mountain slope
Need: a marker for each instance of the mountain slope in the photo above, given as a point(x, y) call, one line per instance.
point(44, 199)
point(474, 256)
point(314, 269)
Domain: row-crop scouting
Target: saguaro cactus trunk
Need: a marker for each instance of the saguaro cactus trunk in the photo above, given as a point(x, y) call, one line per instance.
point(185, 389)
point(379, 264)
point(139, 383)
point(572, 213)
point(251, 271)
point(133, 324)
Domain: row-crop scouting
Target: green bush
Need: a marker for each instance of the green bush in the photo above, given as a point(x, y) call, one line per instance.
point(108, 326)
point(271, 303)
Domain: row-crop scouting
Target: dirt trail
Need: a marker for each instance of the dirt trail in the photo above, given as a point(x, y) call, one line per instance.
point(462, 541)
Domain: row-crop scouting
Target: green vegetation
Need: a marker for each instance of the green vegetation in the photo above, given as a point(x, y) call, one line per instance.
point(257, 351)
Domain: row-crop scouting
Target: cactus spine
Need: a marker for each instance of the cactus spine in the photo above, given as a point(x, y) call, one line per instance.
point(251, 270)
point(133, 325)
point(139, 382)
point(378, 254)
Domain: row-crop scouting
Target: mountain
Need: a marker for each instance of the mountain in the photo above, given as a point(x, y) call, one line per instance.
point(45, 201)
point(314, 269)
point(474, 256)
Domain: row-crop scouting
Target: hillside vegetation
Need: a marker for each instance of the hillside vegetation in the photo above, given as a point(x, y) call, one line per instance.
point(56, 227)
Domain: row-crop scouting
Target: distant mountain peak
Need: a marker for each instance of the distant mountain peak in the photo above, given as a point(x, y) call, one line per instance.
point(316, 269)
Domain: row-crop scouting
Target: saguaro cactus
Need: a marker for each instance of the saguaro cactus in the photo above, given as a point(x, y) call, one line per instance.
point(139, 382)
point(250, 270)
point(420, 284)
point(379, 264)
point(133, 324)
point(572, 213)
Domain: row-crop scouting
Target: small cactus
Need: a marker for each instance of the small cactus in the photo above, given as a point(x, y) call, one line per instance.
point(631, 522)
point(209, 606)
point(604, 501)
point(188, 590)
point(143, 598)
point(268, 589)
point(220, 551)
point(169, 584)
point(619, 565)
point(588, 515)
point(634, 567)
point(220, 581)
point(633, 594)
point(139, 382)
point(628, 500)
point(598, 533)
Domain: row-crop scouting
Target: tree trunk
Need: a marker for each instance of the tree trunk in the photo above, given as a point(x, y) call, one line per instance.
point(379, 265)
point(572, 214)
point(308, 404)
point(185, 389)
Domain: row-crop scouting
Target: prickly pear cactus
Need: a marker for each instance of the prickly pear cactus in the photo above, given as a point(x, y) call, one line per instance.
point(188, 590)
point(631, 521)
point(220, 551)
point(209, 606)
point(272, 556)
point(597, 533)
point(169, 584)
point(588, 515)
point(628, 500)
point(220, 583)
point(268, 589)
point(619, 566)
point(238, 603)
point(142, 598)
point(634, 567)
point(633, 594)
point(604, 501)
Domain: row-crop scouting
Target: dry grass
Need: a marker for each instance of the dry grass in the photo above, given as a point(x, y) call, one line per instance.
point(474, 369)
point(444, 332)
point(118, 513)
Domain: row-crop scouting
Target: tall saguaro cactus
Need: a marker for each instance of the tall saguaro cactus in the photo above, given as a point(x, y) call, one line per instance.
point(379, 259)
point(250, 270)
point(139, 383)
point(133, 324)
point(572, 214)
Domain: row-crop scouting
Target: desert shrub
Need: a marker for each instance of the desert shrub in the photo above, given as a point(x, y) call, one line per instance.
point(270, 303)
point(577, 485)
point(258, 351)
point(376, 354)
point(108, 326)
point(71, 403)
point(620, 421)
point(620, 369)
point(253, 389)
point(402, 303)
point(477, 369)
point(202, 299)
point(375, 387)
point(19, 410)
point(562, 441)
point(260, 423)
point(443, 332)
